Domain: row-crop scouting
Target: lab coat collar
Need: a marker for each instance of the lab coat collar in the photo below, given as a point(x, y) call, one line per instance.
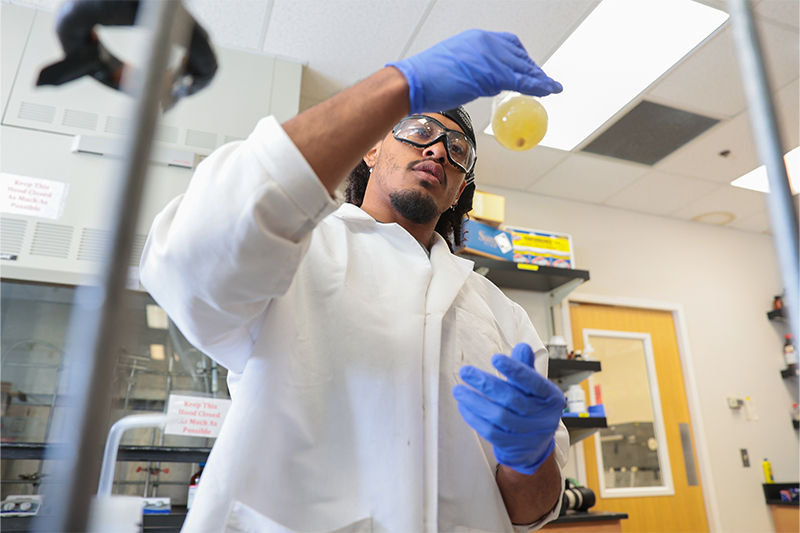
point(348, 211)
point(450, 272)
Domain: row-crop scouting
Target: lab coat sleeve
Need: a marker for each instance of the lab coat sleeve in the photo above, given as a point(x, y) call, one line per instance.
point(218, 254)
point(527, 333)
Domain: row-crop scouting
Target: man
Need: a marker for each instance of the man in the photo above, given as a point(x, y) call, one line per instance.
point(359, 347)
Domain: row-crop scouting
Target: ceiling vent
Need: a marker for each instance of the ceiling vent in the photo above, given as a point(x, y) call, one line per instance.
point(648, 133)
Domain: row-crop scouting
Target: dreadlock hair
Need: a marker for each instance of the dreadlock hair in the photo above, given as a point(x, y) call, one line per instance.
point(449, 226)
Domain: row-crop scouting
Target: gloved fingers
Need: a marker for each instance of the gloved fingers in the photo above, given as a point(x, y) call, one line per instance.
point(482, 427)
point(512, 44)
point(523, 353)
point(526, 378)
point(536, 85)
point(497, 414)
point(507, 62)
point(499, 390)
point(528, 75)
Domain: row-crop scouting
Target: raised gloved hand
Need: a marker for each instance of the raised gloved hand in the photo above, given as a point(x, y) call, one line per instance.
point(519, 415)
point(468, 65)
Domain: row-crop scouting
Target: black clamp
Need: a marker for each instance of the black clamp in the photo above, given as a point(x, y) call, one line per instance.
point(86, 55)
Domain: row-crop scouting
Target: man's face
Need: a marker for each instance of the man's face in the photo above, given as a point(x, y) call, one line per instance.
point(419, 183)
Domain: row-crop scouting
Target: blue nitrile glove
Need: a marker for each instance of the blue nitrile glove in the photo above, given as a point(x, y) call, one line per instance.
point(468, 65)
point(519, 416)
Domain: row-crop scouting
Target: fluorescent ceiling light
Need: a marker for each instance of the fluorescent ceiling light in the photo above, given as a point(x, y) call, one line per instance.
point(621, 48)
point(757, 180)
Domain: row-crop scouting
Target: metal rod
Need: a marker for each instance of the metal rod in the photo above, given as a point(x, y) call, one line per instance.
point(97, 315)
point(783, 215)
point(50, 414)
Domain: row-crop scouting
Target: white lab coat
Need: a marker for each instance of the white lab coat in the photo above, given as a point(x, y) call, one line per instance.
point(343, 339)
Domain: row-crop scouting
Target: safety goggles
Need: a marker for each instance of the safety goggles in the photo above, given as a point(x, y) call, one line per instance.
point(423, 131)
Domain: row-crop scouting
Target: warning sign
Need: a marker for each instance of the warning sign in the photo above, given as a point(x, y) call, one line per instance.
point(33, 197)
point(195, 416)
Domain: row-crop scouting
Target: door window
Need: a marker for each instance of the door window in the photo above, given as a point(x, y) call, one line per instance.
point(632, 458)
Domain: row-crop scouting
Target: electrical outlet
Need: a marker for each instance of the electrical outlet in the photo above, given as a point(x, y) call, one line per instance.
point(745, 458)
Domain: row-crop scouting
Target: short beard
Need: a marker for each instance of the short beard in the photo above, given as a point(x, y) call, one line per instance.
point(415, 206)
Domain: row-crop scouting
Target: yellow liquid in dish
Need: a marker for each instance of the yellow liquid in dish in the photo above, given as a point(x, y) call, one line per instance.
point(519, 122)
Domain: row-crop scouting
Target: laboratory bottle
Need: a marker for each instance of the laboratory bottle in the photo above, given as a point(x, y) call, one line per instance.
point(789, 354)
point(767, 471)
point(519, 122)
point(193, 484)
point(576, 399)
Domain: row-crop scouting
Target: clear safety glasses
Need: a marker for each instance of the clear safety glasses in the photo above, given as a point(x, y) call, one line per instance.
point(422, 131)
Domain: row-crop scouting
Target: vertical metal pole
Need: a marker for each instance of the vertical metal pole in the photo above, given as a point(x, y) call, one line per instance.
point(767, 138)
point(97, 317)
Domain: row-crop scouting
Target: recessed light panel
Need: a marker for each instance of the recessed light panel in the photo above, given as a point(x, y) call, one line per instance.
point(621, 48)
point(757, 180)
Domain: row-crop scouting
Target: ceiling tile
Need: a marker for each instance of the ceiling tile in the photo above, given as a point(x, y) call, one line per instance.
point(502, 167)
point(741, 203)
point(709, 79)
point(342, 41)
point(541, 25)
point(659, 193)
point(702, 159)
point(706, 81)
point(783, 11)
point(781, 49)
point(232, 24)
point(480, 112)
point(787, 109)
point(588, 178)
point(758, 222)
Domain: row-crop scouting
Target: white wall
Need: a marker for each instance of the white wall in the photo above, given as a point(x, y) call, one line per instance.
point(725, 280)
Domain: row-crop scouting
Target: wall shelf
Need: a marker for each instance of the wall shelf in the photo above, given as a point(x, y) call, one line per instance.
point(776, 314)
point(580, 428)
point(786, 373)
point(566, 372)
point(524, 276)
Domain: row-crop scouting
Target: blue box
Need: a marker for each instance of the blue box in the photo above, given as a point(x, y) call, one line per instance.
point(482, 239)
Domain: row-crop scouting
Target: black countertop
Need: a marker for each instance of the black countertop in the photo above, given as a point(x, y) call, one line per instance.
point(574, 517)
point(172, 523)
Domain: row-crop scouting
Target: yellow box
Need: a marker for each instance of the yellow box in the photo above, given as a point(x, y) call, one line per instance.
point(538, 246)
point(488, 208)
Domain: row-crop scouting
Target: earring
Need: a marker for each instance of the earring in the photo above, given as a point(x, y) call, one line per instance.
point(453, 207)
point(370, 170)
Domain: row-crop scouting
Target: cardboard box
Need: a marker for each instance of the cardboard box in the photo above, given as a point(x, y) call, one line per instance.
point(488, 208)
point(483, 239)
point(532, 258)
point(544, 248)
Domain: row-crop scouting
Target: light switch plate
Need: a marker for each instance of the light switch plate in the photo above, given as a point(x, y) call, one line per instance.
point(745, 458)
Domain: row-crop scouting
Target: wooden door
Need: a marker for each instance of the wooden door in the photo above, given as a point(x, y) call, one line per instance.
point(683, 511)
